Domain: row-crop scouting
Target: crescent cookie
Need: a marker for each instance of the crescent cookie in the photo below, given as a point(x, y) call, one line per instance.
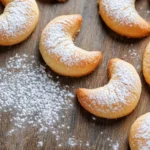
point(122, 17)
point(116, 99)
point(146, 64)
point(139, 137)
point(59, 51)
point(18, 21)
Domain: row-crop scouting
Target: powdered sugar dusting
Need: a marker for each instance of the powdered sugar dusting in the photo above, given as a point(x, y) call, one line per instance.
point(29, 92)
point(120, 91)
point(122, 11)
point(58, 42)
point(72, 141)
point(40, 144)
point(143, 132)
point(116, 146)
point(134, 54)
point(17, 18)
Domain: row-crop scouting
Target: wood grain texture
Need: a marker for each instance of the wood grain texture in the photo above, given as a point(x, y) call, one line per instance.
point(94, 35)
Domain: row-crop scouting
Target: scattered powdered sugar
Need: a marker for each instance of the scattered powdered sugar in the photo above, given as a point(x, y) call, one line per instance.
point(119, 92)
point(17, 18)
point(40, 144)
point(148, 11)
point(93, 118)
point(134, 54)
point(73, 142)
point(35, 99)
point(87, 144)
point(123, 11)
point(116, 146)
point(31, 94)
point(58, 43)
point(143, 132)
point(112, 145)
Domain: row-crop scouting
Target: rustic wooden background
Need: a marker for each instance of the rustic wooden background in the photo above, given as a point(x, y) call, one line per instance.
point(94, 35)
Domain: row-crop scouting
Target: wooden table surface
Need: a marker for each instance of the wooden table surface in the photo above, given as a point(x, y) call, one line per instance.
point(101, 134)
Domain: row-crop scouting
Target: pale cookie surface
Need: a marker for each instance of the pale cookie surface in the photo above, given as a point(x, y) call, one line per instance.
point(59, 51)
point(122, 17)
point(18, 21)
point(146, 64)
point(116, 99)
point(139, 137)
